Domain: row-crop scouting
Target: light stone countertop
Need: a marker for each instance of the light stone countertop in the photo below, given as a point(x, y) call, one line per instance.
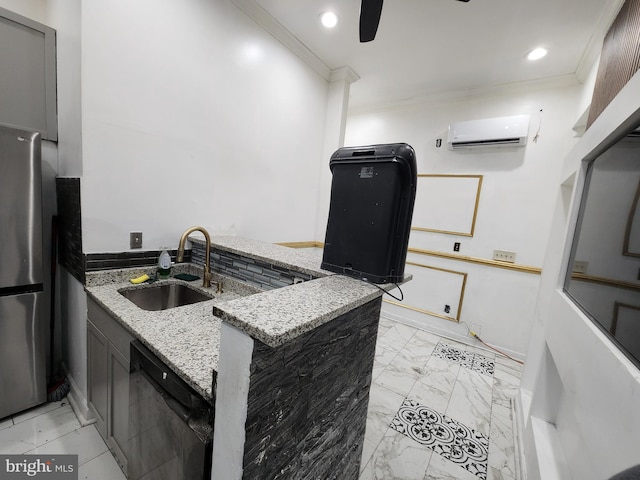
point(187, 338)
point(277, 316)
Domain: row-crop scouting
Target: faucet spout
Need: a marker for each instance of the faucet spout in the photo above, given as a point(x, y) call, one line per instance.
point(206, 278)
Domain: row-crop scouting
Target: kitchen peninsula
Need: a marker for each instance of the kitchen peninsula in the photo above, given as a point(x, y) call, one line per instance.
point(285, 354)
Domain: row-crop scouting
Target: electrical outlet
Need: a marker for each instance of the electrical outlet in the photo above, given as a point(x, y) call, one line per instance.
point(504, 256)
point(580, 267)
point(135, 240)
point(456, 247)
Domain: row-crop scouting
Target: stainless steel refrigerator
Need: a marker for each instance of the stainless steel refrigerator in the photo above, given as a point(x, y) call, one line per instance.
point(23, 320)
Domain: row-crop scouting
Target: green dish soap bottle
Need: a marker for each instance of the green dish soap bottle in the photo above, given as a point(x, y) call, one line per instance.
point(164, 264)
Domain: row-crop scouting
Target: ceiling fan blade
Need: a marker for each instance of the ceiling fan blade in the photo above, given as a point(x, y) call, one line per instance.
point(370, 11)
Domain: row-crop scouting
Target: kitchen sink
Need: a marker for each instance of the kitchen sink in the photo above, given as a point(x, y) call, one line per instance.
point(165, 296)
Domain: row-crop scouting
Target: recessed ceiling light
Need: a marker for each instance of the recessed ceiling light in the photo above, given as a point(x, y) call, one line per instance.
point(329, 19)
point(537, 54)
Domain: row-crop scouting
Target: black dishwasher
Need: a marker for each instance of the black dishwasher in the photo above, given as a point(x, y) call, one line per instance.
point(170, 424)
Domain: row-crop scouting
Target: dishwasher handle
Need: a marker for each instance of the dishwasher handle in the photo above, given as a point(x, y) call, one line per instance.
point(182, 411)
point(161, 377)
point(199, 419)
point(177, 407)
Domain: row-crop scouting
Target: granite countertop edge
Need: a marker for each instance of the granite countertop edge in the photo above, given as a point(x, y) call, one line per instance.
point(278, 316)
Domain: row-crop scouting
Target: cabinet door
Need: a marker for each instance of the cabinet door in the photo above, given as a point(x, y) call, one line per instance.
point(119, 404)
point(28, 88)
point(97, 376)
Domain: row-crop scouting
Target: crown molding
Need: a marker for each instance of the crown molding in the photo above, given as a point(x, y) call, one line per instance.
point(560, 81)
point(284, 36)
point(345, 74)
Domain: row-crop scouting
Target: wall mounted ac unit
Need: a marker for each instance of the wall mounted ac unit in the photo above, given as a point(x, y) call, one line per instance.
point(490, 132)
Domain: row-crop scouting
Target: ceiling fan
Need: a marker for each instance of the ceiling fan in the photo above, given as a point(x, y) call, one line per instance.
point(370, 11)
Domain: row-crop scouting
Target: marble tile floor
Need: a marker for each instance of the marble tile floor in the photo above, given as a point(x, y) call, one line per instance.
point(53, 428)
point(438, 410)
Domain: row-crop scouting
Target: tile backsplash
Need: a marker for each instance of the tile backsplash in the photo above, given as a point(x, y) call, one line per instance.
point(139, 258)
point(254, 272)
point(69, 225)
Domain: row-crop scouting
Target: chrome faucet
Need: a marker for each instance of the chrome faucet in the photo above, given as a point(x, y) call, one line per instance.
point(206, 278)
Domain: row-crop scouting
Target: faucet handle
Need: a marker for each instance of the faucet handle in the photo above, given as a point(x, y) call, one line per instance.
point(206, 278)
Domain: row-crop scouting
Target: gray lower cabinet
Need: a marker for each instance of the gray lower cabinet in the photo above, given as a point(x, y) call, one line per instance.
point(108, 378)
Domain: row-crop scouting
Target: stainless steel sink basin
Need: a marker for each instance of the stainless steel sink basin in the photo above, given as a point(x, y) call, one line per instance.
point(165, 296)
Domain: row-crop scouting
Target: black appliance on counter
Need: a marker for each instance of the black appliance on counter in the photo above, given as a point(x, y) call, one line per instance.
point(373, 191)
point(170, 424)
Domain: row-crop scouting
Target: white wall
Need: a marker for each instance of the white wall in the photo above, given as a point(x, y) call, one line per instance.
point(192, 114)
point(516, 202)
point(576, 384)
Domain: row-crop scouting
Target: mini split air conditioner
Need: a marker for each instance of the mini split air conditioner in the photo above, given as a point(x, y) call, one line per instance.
point(489, 132)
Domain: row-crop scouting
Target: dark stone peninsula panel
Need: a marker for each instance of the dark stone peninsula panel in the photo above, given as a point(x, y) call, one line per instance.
point(307, 402)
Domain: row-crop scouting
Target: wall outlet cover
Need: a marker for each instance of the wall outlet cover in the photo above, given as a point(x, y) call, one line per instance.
point(504, 256)
point(135, 240)
point(580, 267)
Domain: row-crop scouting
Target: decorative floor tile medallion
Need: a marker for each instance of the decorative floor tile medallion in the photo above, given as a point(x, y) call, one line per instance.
point(472, 361)
point(445, 436)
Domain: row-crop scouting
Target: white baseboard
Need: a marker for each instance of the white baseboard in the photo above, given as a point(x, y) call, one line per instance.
point(78, 401)
point(447, 333)
point(518, 437)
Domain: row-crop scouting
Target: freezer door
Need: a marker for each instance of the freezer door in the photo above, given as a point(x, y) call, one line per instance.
point(23, 340)
point(20, 208)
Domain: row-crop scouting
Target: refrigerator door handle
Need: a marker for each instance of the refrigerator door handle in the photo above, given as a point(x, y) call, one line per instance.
point(19, 290)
